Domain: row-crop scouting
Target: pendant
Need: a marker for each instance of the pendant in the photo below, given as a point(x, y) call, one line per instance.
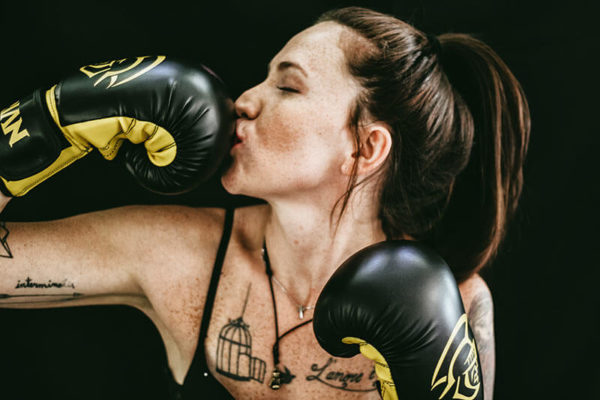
point(301, 312)
point(280, 378)
point(275, 382)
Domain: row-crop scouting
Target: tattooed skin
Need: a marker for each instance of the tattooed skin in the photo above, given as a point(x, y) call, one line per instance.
point(30, 298)
point(235, 360)
point(234, 351)
point(5, 250)
point(343, 380)
point(28, 283)
point(481, 319)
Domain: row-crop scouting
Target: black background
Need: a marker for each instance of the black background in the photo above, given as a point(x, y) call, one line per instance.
point(543, 283)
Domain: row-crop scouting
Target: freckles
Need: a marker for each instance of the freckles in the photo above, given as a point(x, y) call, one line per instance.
point(285, 132)
point(286, 140)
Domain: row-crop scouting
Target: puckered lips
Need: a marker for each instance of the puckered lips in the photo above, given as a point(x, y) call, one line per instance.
point(236, 137)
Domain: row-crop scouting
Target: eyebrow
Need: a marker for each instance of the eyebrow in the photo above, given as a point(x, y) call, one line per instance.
point(286, 65)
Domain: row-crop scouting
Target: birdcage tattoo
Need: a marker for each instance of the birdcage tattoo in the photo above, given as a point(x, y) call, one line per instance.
point(234, 352)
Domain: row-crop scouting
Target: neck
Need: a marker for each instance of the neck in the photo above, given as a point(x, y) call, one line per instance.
point(306, 245)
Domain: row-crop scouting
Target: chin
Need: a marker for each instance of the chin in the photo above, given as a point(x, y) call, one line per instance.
point(235, 185)
point(232, 182)
point(229, 183)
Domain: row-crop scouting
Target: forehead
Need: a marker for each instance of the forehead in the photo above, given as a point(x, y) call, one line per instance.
point(317, 50)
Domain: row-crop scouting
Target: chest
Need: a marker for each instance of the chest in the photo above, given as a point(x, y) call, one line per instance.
point(244, 329)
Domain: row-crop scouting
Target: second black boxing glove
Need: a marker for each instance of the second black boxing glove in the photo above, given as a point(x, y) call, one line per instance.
point(182, 115)
point(398, 304)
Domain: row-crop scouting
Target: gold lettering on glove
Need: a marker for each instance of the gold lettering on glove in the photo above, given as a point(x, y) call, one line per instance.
point(119, 72)
point(12, 125)
point(458, 366)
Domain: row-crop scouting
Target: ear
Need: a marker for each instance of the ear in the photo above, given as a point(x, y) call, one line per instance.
point(375, 145)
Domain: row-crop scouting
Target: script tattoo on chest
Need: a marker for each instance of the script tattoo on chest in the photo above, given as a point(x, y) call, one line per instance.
point(5, 250)
point(328, 375)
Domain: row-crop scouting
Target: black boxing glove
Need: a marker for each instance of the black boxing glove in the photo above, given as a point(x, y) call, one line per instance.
point(182, 115)
point(398, 304)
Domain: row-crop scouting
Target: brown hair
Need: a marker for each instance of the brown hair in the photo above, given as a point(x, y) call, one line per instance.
point(460, 126)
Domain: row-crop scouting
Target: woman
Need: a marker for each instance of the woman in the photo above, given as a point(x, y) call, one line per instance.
point(364, 129)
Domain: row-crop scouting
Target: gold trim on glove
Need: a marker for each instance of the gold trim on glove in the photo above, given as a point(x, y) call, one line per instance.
point(384, 374)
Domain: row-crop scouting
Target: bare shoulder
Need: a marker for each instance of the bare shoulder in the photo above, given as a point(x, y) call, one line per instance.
point(477, 299)
point(178, 266)
point(185, 242)
point(474, 292)
point(169, 240)
point(168, 218)
point(479, 306)
point(198, 228)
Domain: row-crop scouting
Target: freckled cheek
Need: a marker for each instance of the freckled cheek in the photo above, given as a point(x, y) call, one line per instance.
point(284, 134)
point(286, 138)
point(300, 129)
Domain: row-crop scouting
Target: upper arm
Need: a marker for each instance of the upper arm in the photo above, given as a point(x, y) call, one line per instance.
point(102, 257)
point(480, 311)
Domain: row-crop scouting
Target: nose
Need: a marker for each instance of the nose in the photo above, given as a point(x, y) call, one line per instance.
point(248, 104)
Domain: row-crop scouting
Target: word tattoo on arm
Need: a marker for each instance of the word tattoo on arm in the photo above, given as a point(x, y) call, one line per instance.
point(30, 298)
point(5, 250)
point(342, 380)
point(29, 283)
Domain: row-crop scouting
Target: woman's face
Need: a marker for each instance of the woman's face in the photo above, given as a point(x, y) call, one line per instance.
point(293, 127)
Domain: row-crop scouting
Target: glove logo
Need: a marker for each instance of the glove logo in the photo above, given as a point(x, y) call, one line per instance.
point(121, 71)
point(459, 360)
point(10, 126)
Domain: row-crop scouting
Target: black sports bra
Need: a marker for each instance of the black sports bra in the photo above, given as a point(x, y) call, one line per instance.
point(199, 383)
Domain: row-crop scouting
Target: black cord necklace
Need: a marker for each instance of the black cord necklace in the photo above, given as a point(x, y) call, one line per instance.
point(278, 377)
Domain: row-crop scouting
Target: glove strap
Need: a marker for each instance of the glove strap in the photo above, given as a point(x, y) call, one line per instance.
point(384, 374)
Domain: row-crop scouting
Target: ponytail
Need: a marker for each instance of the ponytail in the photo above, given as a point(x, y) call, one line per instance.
point(485, 194)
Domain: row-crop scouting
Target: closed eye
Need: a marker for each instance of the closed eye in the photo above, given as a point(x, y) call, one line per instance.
point(288, 89)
